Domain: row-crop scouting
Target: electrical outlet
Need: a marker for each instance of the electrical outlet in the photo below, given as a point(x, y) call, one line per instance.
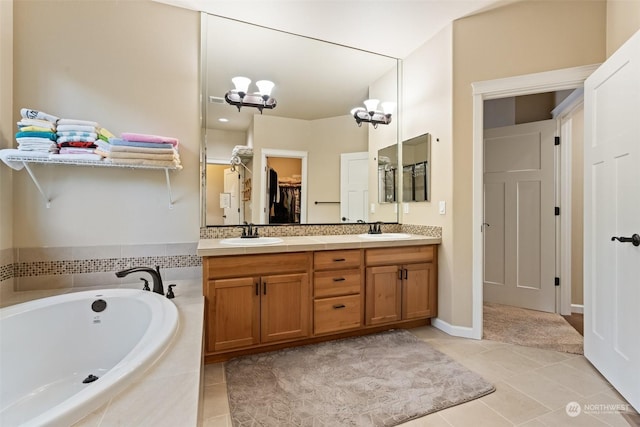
point(442, 207)
point(372, 209)
point(405, 207)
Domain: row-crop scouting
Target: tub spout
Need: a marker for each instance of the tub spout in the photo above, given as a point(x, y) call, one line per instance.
point(155, 275)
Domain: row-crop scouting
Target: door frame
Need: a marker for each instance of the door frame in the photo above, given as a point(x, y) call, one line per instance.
point(548, 81)
point(290, 154)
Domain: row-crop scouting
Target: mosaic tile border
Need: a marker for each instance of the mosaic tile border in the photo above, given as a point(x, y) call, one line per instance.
point(107, 265)
point(318, 230)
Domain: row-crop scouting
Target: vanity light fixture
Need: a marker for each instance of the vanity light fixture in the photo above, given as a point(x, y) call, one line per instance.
point(241, 98)
point(370, 113)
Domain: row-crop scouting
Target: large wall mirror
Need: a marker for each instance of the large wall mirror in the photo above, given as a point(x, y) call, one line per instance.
point(306, 161)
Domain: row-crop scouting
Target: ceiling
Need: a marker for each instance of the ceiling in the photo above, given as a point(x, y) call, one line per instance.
point(388, 27)
point(314, 79)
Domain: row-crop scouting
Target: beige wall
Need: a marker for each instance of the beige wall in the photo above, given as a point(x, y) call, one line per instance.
point(623, 20)
point(6, 121)
point(323, 140)
point(427, 100)
point(521, 38)
point(133, 67)
point(577, 206)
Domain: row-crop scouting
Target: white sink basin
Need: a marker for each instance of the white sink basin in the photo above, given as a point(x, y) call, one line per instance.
point(257, 241)
point(385, 236)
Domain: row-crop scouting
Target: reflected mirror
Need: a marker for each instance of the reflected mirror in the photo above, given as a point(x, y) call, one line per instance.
point(306, 161)
point(416, 167)
point(388, 174)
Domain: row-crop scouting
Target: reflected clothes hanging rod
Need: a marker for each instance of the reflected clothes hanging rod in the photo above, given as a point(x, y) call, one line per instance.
point(322, 203)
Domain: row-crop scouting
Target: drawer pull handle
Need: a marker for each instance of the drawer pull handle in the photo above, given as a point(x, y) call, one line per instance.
point(337, 306)
point(339, 279)
point(338, 259)
point(257, 287)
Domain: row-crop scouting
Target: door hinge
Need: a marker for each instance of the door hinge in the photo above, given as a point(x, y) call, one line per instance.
point(557, 211)
point(556, 141)
point(557, 281)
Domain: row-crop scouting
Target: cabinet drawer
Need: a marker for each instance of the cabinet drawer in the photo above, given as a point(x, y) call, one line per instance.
point(256, 265)
point(400, 255)
point(334, 260)
point(336, 282)
point(337, 314)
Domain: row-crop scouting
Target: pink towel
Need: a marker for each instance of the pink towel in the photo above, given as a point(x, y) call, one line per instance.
point(141, 137)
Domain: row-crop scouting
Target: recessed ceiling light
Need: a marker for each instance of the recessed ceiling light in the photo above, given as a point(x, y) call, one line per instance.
point(223, 120)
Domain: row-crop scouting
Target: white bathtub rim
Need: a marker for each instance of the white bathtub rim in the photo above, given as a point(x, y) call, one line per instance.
point(124, 373)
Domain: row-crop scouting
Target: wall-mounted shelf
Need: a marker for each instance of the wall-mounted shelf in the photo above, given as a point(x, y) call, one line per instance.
point(26, 160)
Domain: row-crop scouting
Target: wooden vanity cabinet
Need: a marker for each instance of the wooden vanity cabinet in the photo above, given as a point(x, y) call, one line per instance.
point(337, 291)
point(401, 284)
point(265, 302)
point(257, 299)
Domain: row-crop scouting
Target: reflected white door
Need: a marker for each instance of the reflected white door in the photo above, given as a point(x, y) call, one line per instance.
point(612, 209)
point(519, 240)
point(354, 186)
point(232, 187)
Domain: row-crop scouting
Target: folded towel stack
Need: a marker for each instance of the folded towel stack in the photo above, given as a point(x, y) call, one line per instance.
point(242, 150)
point(140, 149)
point(76, 139)
point(36, 131)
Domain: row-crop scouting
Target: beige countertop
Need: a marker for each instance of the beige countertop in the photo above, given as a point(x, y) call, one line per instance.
point(215, 247)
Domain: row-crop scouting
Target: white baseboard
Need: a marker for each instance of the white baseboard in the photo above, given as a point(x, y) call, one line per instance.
point(577, 308)
point(456, 331)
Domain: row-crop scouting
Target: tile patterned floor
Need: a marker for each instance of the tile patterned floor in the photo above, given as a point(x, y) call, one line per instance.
point(533, 386)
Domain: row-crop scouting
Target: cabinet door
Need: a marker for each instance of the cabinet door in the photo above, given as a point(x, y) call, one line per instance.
point(233, 313)
point(285, 305)
point(383, 290)
point(418, 291)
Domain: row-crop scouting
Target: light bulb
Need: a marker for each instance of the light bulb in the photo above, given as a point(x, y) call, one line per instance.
point(371, 105)
point(388, 107)
point(241, 83)
point(355, 110)
point(265, 87)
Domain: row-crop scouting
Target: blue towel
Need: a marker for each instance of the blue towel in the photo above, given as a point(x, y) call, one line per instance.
point(118, 141)
point(48, 135)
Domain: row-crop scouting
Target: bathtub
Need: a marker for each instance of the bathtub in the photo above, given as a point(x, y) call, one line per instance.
point(62, 357)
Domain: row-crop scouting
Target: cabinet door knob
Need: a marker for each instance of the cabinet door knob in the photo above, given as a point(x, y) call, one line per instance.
point(337, 306)
point(257, 288)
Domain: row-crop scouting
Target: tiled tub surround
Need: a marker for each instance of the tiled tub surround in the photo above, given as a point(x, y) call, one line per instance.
point(170, 392)
point(94, 266)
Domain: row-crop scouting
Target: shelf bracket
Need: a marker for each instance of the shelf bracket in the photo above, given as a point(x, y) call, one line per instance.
point(35, 181)
point(166, 174)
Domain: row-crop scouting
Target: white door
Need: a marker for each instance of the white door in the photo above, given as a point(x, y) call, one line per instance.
point(232, 187)
point(354, 186)
point(612, 209)
point(519, 231)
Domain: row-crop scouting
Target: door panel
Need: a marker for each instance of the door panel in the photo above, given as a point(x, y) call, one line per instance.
point(285, 307)
point(612, 209)
point(235, 307)
point(383, 291)
point(354, 186)
point(519, 241)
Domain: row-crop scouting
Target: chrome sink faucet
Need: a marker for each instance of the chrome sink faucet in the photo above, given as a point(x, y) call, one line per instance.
point(155, 275)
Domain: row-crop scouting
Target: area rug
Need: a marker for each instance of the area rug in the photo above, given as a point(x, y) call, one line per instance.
point(377, 380)
point(530, 328)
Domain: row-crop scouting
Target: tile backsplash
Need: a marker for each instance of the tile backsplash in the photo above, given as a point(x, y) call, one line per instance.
point(24, 269)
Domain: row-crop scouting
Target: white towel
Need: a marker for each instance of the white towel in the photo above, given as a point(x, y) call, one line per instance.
point(27, 113)
point(146, 156)
point(78, 122)
point(36, 122)
point(77, 128)
point(145, 162)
